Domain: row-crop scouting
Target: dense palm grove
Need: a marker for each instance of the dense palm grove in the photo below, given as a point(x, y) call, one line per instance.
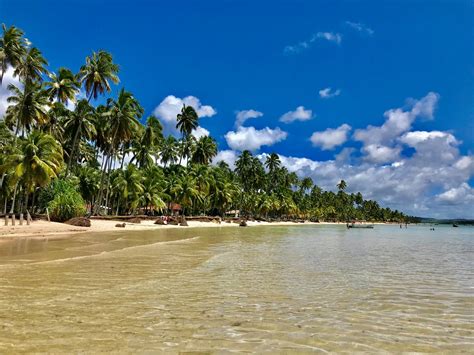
point(94, 156)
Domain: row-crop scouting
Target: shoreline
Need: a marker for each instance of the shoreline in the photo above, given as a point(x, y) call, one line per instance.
point(45, 229)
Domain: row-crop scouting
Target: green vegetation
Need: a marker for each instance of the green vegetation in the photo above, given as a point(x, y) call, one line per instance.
point(76, 159)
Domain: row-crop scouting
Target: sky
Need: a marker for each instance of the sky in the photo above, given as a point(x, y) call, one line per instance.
point(378, 93)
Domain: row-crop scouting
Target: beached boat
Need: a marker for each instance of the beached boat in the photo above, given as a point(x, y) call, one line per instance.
point(360, 225)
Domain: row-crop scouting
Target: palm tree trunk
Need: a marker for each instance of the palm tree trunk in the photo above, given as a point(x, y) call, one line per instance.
point(12, 208)
point(73, 150)
point(108, 187)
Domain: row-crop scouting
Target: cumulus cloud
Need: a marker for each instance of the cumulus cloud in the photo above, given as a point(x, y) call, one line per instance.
point(169, 108)
point(244, 115)
point(300, 114)
point(200, 132)
point(457, 195)
point(360, 27)
point(327, 93)
point(228, 156)
point(4, 92)
point(379, 139)
point(331, 137)
point(253, 139)
point(303, 45)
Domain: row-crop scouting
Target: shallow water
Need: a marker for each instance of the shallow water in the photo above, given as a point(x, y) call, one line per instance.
point(276, 289)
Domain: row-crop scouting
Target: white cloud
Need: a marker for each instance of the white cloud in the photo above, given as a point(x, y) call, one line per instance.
point(229, 156)
point(242, 116)
point(360, 27)
point(330, 36)
point(252, 139)
point(327, 93)
point(169, 108)
point(303, 45)
point(331, 137)
point(8, 79)
point(379, 140)
point(377, 153)
point(461, 195)
point(300, 114)
point(200, 132)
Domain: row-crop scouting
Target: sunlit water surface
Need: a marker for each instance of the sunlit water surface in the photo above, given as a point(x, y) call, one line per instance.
point(276, 289)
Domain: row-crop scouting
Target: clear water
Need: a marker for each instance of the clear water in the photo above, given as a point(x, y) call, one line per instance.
point(275, 289)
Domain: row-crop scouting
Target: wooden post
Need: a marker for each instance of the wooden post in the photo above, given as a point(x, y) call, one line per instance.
point(28, 218)
point(6, 219)
point(13, 219)
point(21, 219)
point(47, 214)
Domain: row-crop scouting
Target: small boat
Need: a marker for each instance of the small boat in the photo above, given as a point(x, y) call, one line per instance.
point(455, 225)
point(359, 225)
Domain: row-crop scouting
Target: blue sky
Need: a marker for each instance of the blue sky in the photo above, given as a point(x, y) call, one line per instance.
point(273, 57)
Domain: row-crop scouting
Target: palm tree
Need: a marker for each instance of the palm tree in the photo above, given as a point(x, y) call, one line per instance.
point(97, 74)
point(27, 106)
point(63, 86)
point(205, 150)
point(79, 124)
point(169, 151)
point(128, 187)
point(273, 163)
point(306, 184)
point(187, 120)
point(153, 196)
point(31, 66)
point(12, 49)
point(185, 192)
point(39, 160)
point(341, 185)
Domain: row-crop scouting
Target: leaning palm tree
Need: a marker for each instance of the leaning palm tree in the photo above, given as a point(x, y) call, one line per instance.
point(31, 66)
point(204, 151)
point(63, 86)
point(27, 106)
point(12, 48)
point(97, 74)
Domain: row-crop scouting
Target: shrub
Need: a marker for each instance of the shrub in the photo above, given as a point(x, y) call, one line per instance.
point(62, 200)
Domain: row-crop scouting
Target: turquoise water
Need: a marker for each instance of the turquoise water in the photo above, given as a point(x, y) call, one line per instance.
point(276, 289)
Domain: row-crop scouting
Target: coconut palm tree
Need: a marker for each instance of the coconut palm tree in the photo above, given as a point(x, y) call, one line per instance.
point(31, 66)
point(272, 163)
point(169, 151)
point(187, 120)
point(97, 74)
point(12, 49)
point(63, 86)
point(341, 185)
point(27, 106)
point(153, 196)
point(128, 187)
point(186, 192)
point(79, 124)
point(205, 150)
point(39, 160)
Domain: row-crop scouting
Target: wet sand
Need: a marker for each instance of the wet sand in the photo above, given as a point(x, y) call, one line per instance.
point(41, 228)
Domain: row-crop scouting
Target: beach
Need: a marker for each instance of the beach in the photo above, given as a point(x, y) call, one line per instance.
point(42, 228)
